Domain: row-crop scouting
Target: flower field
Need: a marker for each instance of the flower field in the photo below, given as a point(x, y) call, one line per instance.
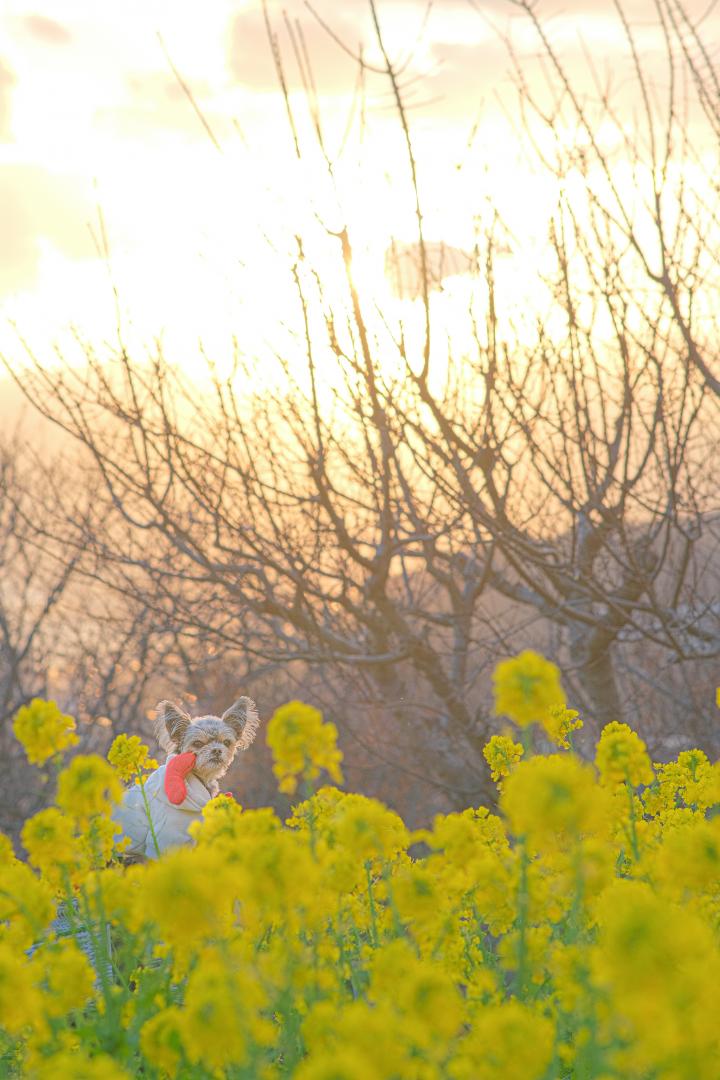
point(574, 933)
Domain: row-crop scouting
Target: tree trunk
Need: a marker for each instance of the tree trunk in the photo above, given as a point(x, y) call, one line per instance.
point(593, 663)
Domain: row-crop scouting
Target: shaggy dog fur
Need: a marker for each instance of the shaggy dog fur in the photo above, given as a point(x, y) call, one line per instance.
point(213, 739)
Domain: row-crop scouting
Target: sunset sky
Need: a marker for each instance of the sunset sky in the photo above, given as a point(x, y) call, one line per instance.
point(93, 121)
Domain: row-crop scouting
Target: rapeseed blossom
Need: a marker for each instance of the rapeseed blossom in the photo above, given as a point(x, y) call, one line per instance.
point(88, 786)
point(53, 845)
point(621, 756)
point(130, 757)
point(221, 1009)
point(560, 723)
point(26, 904)
point(527, 688)
point(303, 744)
point(80, 1066)
point(21, 1003)
point(553, 799)
point(160, 1039)
point(66, 972)
point(43, 730)
point(49, 839)
point(690, 781)
point(501, 754)
point(574, 933)
point(508, 1040)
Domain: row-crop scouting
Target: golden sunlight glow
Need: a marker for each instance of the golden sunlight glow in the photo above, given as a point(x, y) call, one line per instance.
point(198, 241)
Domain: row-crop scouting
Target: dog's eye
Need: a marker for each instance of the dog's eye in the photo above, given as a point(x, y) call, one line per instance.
point(198, 743)
point(227, 742)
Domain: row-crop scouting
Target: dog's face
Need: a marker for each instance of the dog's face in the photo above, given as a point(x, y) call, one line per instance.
point(214, 744)
point(213, 739)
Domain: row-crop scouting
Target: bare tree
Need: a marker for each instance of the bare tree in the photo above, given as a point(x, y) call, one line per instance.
point(396, 531)
point(63, 635)
point(584, 478)
point(669, 225)
point(31, 587)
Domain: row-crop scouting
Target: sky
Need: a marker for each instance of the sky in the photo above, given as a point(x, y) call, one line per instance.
point(121, 215)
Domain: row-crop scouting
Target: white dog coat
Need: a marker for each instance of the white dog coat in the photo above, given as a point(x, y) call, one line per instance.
point(170, 822)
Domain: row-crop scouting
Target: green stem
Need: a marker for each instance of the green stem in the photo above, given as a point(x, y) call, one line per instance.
point(308, 792)
point(522, 908)
point(149, 815)
point(398, 926)
point(69, 901)
point(347, 964)
point(98, 943)
point(575, 919)
point(633, 826)
point(371, 904)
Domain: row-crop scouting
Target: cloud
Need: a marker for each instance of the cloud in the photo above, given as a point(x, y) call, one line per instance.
point(403, 266)
point(250, 59)
point(464, 76)
point(156, 103)
point(36, 205)
point(553, 10)
point(45, 30)
point(7, 82)
point(468, 74)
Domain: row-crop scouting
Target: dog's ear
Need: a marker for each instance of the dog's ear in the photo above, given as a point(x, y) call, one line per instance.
point(243, 718)
point(171, 723)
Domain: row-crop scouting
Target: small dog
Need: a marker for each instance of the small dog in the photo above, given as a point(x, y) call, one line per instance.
point(213, 739)
point(207, 746)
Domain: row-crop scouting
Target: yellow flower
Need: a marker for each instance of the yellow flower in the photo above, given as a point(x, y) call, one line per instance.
point(555, 798)
point(221, 818)
point(318, 809)
point(527, 687)
point(417, 988)
point(43, 730)
point(88, 786)
point(160, 1039)
point(7, 852)
point(221, 1004)
point(560, 723)
point(536, 943)
point(659, 965)
point(416, 894)
point(80, 1066)
point(52, 845)
point(689, 859)
point(700, 780)
point(114, 895)
point(20, 1001)
point(371, 1034)
point(509, 1040)
point(323, 949)
point(100, 840)
point(302, 745)
point(130, 757)
point(463, 834)
point(49, 837)
point(26, 905)
point(366, 829)
point(570, 968)
point(636, 933)
point(340, 1064)
point(501, 754)
point(181, 893)
point(621, 756)
point(68, 976)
